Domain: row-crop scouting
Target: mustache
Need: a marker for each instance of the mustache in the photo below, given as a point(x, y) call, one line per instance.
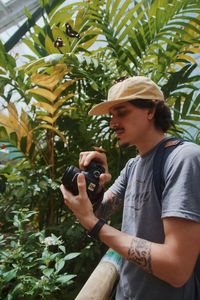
point(117, 128)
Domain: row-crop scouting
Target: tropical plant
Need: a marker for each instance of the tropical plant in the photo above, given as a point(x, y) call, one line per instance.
point(159, 39)
point(29, 182)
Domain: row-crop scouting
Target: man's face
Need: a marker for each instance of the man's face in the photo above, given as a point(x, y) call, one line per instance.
point(130, 123)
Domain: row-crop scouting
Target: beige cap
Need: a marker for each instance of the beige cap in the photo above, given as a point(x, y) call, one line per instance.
point(137, 87)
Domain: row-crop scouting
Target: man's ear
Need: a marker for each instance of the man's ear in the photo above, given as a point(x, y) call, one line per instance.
point(151, 113)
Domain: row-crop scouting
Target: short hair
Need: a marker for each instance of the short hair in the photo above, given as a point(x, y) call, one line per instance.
point(162, 118)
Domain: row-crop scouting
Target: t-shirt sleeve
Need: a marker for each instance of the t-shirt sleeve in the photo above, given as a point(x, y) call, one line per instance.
point(181, 195)
point(119, 186)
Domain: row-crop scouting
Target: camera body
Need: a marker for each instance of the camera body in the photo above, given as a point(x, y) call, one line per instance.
point(92, 173)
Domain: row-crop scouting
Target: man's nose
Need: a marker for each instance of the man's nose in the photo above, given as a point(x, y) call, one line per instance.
point(113, 123)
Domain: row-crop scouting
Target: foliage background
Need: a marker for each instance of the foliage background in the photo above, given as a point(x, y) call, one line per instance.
point(59, 85)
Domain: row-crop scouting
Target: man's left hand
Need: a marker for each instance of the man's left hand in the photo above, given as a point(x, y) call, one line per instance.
point(80, 205)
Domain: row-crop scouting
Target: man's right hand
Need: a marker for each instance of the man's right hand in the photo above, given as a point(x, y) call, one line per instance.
point(86, 157)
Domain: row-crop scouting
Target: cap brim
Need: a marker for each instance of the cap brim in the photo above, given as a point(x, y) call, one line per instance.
point(104, 107)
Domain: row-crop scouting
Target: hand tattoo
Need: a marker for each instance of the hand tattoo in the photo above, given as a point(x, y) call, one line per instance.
point(140, 253)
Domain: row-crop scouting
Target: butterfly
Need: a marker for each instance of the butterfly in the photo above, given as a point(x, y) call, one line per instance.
point(58, 43)
point(70, 32)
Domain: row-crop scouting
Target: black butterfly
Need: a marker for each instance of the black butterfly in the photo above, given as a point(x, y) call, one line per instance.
point(58, 43)
point(70, 32)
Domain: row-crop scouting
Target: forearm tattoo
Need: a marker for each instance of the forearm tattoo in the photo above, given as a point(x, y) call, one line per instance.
point(109, 205)
point(140, 253)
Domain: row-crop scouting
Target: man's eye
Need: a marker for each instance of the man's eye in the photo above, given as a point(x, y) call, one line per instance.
point(122, 113)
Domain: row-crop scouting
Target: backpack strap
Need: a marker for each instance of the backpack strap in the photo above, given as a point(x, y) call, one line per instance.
point(163, 151)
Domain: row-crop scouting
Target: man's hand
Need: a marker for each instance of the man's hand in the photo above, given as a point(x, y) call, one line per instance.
point(80, 205)
point(86, 157)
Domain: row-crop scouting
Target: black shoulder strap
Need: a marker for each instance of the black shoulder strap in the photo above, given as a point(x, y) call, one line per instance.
point(163, 151)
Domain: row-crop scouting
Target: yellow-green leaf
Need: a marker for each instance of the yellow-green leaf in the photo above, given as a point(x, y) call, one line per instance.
point(47, 107)
point(89, 43)
point(50, 120)
point(13, 116)
point(187, 57)
point(46, 126)
point(63, 87)
point(45, 80)
point(59, 103)
point(43, 93)
point(67, 97)
point(193, 50)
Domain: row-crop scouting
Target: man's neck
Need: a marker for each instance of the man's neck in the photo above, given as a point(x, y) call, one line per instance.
point(149, 142)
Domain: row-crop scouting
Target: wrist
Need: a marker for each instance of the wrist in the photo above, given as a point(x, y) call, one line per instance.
point(89, 222)
point(94, 232)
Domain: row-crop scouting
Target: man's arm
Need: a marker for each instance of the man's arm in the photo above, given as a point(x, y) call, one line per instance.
point(173, 261)
point(109, 205)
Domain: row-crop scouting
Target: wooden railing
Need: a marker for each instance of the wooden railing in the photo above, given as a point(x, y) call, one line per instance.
point(100, 283)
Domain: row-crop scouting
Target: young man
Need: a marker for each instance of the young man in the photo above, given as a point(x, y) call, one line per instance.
point(160, 242)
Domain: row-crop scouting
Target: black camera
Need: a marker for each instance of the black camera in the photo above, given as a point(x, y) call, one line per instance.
point(91, 172)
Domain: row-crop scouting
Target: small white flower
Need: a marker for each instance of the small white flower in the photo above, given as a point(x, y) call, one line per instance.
point(52, 241)
point(48, 241)
point(44, 279)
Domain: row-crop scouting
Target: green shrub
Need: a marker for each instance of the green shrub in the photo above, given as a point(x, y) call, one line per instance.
point(32, 266)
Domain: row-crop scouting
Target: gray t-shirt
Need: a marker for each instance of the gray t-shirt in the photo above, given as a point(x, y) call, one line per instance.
point(142, 215)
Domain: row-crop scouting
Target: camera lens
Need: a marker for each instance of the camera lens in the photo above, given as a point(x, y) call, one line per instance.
point(69, 179)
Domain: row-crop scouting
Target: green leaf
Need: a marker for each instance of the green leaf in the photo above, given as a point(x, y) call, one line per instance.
point(3, 134)
point(125, 20)
point(8, 276)
point(71, 255)
point(65, 278)
point(31, 46)
point(135, 46)
point(48, 272)
point(59, 265)
point(115, 7)
point(62, 248)
point(13, 138)
point(27, 13)
point(177, 108)
point(23, 144)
